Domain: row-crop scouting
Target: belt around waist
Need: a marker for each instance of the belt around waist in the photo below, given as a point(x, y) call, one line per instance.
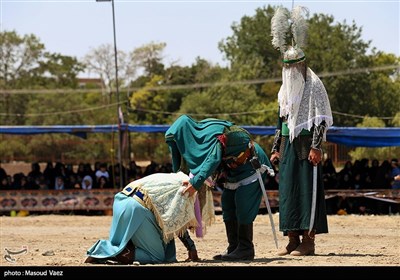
point(250, 179)
point(285, 130)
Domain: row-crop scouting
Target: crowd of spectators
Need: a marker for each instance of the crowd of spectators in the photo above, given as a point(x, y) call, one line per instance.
point(60, 176)
point(353, 176)
point(362, 175)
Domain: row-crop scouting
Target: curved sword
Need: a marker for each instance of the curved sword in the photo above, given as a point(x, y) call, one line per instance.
point(257, 166)
point(268, 206)
point(314, 199)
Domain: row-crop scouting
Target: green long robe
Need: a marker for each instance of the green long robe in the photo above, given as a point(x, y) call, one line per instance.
point(295, 191)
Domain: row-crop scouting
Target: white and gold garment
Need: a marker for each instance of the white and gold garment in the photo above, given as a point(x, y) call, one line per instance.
point(174, 212)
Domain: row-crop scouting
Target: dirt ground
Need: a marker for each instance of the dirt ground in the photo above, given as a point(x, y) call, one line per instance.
point(62, 240)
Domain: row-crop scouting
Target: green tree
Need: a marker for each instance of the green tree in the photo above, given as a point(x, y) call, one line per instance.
point(146, 102)
point(250, 45)
point(101, 60)
point(232, 102)
point(335, 51)
point(200, 72)
point(149, 58)
point(25, 64)
point(159, 99)
point(396, 120)
point(19, 59)
point(339, 50)
point(59, 71)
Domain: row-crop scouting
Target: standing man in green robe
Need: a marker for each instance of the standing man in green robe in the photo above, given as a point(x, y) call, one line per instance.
point(304, 117)
point(218, 148)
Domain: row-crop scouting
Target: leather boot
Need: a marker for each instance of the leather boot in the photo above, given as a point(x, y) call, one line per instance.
point(307, 245)
point(192, 256)
point(294, 241)
point(245, 249)
point(127, 256)
point(231, 228)
point(190, 246)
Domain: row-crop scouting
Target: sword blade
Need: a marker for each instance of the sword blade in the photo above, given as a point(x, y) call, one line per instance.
point(271, 220)
point(314, 199)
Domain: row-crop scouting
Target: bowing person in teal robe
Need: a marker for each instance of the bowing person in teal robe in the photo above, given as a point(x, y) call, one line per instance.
point(212, 146)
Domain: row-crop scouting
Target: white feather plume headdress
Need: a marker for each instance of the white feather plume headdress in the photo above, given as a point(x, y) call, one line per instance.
point(300, 26)
point(283, 23)
point(279, 28)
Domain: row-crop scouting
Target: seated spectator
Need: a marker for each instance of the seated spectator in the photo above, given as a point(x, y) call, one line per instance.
point(3, 173)
point(102, 172)
point(345, 176)
point(60, 183)
point(87, 183)
point(19, 182)
point(4, 184)
point(382, 179)
point(329, 174)
point(395, 175)
point(49, 173)
point(103, 183)
point(42, 183)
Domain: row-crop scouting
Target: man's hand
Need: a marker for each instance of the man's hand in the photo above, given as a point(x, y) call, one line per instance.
point(189, 189)
point(315, 156)
point(274, 158)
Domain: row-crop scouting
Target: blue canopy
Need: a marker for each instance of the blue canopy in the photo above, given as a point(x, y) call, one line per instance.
point(349, 136)
point(364, 136)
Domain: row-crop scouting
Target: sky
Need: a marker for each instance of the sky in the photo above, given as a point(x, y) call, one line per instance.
point(189, 28)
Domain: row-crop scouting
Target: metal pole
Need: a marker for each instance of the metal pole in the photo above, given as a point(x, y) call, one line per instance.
point(117, 93)
point(118, 105)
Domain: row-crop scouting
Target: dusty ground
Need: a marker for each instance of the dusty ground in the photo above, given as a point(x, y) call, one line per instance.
point(62, 240)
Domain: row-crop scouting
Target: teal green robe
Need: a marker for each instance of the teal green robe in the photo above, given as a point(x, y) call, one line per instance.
point(194, 145)
point(132, 221)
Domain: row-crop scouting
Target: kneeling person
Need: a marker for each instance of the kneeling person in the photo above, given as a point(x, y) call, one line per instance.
point(147, 214)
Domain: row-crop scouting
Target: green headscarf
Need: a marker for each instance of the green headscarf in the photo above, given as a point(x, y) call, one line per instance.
point(193, 140)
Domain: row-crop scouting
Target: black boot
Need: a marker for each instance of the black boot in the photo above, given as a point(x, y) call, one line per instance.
point(190, 246)
point(232, 235)
point(245, 249)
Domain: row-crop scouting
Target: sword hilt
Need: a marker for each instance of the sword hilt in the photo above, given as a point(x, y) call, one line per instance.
point(255, 163)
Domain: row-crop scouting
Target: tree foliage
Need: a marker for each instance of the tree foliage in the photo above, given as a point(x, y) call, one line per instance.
point(59, 71)
point(245, 92)
point(19, 59)
point(336, 49)
point(101, 60)
point(149, 57)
